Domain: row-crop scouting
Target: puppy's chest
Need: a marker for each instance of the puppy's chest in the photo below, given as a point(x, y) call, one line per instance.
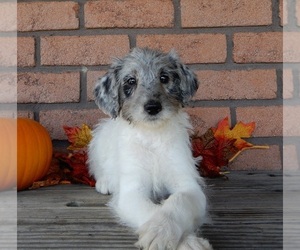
point(155, 156)
point(156, 162)
point(158, 166)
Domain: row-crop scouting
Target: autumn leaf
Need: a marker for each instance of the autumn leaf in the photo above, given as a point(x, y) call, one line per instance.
point(205, 146)
point(70, 167)
point(225, 149)
point(221, 145)
point(67, 168)
point(55, 176)
point(78, 137)
point(76, 161)
point(240, 130)
point(77, 167)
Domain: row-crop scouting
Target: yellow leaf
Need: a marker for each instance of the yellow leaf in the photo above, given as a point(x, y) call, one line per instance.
point(81, 138)
point(243, 130)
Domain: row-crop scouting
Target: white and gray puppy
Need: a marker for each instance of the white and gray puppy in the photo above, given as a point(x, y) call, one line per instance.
point(143, 155)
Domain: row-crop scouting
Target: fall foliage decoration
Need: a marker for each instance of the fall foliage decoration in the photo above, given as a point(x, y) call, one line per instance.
point(217, 148)
point(78, 137)
point(34, 152)
point(70, 167)
point(8, 153)
point(221, 145)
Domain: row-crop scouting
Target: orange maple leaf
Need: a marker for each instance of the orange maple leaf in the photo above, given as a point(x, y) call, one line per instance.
point(221, 145)
point(240, 130)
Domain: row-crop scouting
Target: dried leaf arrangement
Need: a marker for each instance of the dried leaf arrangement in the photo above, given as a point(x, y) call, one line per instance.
point(70, 167)
point(221, 145)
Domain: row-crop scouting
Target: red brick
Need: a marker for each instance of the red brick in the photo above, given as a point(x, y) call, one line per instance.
point(257, 47)
point(82, 50)
point(283, 12)
point(268, 119)
point(129, 14)
point(291, 47)
point(8, 16)
point(290, 158)
point(48, 87)
point(291, 120)
point(297, 12)
point(26, 52)
point(54, 120)
point(8, 93)
point(236, 84)
point(288, 84)
point(258, 159)
point(193, 48)
point(92, 77)
point(25, 114)
point(215, 13)
point(8, 51)
point(48, 16)
point(204, 118)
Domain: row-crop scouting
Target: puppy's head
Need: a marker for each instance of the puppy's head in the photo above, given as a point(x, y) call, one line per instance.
point(145, 86)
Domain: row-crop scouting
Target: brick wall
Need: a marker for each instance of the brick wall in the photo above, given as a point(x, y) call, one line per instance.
point(290, 15)
point(235, 48)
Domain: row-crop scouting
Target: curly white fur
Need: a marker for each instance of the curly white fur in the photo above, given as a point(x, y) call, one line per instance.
point(149, 168)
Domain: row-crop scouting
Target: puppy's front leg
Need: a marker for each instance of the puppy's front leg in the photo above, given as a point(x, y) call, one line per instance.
point(133, 203)
point(178, 217)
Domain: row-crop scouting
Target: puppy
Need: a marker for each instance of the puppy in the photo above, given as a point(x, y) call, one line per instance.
point(143, 155)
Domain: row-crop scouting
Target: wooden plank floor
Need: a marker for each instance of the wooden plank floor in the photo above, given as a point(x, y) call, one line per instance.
point(246, 213)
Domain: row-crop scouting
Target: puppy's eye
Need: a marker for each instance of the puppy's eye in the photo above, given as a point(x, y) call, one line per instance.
point(129, 86)
point(164, 79)
point(131, 81)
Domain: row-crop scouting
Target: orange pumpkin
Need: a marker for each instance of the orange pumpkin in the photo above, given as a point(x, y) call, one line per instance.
point(8, 153)
point(34, 152)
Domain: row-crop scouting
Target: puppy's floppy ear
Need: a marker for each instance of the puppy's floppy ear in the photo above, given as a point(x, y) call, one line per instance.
point(189, 85)
point(107, 91)
point(188, 80)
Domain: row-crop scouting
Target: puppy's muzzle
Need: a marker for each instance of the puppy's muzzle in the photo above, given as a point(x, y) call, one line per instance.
point(153, 107)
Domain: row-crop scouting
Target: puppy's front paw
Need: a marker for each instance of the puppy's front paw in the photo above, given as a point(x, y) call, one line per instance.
point(159, 233)
point(191, 242)
point(103, 186)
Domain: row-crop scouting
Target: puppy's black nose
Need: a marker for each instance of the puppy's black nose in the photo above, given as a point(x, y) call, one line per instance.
point(153, 107)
